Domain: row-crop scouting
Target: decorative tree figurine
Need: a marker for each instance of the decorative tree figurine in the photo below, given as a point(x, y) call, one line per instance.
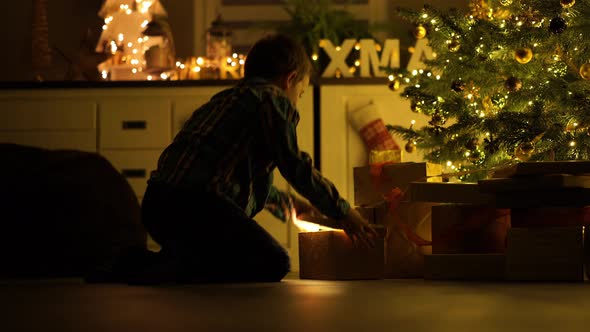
point(124, 37)
point(509, 83)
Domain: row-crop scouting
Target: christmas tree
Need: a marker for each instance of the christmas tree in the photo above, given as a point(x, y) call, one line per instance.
point(508, 82)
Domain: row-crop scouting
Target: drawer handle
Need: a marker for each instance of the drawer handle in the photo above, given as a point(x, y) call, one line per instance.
point(134, 173)
point(134, 124)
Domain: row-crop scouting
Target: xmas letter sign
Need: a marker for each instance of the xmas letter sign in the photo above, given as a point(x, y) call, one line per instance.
point(369, 57)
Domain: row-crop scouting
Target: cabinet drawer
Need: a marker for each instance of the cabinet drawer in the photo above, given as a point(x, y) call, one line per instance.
point(135, 166)
point(74, 140)
point(47, 114)
point(135, 123)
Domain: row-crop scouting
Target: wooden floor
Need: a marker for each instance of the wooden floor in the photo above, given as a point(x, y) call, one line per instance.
point(296, 305)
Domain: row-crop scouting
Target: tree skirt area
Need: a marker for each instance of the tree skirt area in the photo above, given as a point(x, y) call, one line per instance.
point(295, 305)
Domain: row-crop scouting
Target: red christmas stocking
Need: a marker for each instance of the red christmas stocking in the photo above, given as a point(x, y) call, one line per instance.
point(368, 122)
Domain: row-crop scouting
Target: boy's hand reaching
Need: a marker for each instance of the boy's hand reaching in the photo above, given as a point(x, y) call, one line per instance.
point(358, 229)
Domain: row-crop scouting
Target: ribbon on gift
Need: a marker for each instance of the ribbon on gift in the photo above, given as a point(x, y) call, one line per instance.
point(395, 196)
point(393, 199)
point(472, 221)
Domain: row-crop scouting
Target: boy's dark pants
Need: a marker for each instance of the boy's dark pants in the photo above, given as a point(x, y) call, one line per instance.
point(211, 239)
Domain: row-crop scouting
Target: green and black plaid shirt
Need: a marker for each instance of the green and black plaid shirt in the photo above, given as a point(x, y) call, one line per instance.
point(231, 145)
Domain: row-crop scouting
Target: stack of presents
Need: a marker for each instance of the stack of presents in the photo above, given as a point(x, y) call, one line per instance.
point(524, 224)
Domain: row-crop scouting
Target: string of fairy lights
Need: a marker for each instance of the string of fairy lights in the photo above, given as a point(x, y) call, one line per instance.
point(129, 51)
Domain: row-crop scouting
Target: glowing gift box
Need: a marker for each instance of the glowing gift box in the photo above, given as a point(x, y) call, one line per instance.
point(329, 254)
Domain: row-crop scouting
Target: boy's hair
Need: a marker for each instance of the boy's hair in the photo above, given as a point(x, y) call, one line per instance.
point(274, 57)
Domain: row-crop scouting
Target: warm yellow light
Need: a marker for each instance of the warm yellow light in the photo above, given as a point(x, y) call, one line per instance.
point(121, 37)
point(134, 70)
point(197, 69)
point(572, 143)
point(357, 63)
point(113, 47)
point(235, 55)
point(357, 46)
point(200, 61)
point(178, 63)
point(413, 122)
point(128, 11)
point(149, 78)
point(145, 23)
point(306, 226)
point(164, 76)
point(449, 163)
point(104, 27)
point(314, 57)
point(391, 77)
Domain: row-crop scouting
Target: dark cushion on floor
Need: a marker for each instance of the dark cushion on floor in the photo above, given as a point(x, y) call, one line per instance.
point(62, 212)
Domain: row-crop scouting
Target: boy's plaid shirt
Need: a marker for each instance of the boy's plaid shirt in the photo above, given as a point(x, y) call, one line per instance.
point(231, 145)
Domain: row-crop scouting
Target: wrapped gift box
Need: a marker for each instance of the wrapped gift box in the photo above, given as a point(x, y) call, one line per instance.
point(404, 252)
point(370, 189)
point(546, 253)
point(331, 255)
point(464, 228)
point(550, 216)
point(464, 266)
point(461, 193)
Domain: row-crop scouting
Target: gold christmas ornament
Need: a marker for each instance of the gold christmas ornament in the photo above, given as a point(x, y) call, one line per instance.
point(567, 3)
point(410, 147)
point(420, 32)
point(524, 151)
point(585, 71)
point(454, 46)
point(571, 126)
point(523, 55)
point(394, 85)
point(506, 2)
